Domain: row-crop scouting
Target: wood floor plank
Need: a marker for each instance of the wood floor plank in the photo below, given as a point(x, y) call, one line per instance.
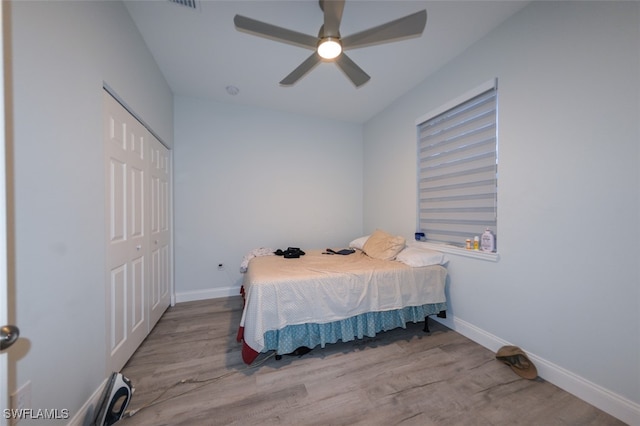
point(189, 371)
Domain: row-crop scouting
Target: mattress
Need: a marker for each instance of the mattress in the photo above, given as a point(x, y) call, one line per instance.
point(322, 289)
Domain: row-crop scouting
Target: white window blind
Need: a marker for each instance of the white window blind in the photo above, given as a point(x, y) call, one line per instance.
point(457, 170)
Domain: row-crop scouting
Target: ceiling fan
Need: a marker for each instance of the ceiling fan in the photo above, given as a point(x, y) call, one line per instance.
point(329, 46)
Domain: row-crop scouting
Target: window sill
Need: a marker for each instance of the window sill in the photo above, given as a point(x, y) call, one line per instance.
point(451, 249)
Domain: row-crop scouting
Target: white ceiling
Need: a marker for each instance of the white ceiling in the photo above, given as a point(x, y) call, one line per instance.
point(200, 52)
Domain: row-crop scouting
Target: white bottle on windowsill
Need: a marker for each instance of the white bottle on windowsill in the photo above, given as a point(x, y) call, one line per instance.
point(488, 241)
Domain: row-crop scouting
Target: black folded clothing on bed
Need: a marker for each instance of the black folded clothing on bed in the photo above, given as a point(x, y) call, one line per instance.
point(290, 253)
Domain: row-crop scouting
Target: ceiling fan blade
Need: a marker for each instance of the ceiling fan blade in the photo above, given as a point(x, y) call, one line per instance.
point(283, 35)
point(353, 71)
point(301, 70)
point(332, 17)
point(409, 26)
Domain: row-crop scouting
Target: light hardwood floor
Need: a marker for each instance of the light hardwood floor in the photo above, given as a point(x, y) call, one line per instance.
point(189, 372)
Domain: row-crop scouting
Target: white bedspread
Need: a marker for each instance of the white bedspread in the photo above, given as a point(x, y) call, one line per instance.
point(318, 288)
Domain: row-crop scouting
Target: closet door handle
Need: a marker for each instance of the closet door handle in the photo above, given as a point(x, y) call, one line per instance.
point(138, 247)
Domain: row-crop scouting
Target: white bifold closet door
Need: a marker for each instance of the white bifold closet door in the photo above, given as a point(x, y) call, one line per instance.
point(160, 233)
point(137, 281)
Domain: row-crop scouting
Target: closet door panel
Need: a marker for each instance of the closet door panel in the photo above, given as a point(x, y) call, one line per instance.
point(160, 229)
point(126, 199)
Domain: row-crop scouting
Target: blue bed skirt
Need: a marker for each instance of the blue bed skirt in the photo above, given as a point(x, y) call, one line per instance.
point(291, 337)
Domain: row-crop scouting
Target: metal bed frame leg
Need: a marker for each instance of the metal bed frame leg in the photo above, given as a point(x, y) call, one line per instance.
point(426, 325)
point(441, 314)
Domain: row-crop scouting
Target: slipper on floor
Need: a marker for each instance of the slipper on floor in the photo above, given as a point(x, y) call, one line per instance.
point(515, 358)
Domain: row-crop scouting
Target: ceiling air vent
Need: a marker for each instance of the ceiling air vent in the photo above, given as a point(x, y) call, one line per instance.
point(187, 3)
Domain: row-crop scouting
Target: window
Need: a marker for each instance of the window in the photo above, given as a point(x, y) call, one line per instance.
point(458, 168)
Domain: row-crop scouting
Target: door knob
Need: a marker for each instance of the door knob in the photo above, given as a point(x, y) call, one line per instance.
point(8, 335)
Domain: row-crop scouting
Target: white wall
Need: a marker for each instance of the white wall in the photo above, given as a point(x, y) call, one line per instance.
point(62, 52)
point(251, 177)
point(566, 287)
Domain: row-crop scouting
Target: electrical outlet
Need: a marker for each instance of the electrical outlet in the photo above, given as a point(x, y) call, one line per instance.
point(21, 399)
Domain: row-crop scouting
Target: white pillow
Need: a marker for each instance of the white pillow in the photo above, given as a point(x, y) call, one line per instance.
point(358, 243)
point(420, 256)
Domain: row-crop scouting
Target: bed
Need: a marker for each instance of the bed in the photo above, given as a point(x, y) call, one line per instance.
point(321, 298)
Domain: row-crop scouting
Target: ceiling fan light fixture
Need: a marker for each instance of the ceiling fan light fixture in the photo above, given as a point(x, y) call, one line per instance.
point(329, 48)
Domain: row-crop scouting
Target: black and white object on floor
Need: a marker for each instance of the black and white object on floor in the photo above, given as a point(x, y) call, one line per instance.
point(114, 400)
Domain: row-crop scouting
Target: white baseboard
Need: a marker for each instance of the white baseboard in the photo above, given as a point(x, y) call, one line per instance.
point(215, 293)
point(607, 401)
point(87, 412)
